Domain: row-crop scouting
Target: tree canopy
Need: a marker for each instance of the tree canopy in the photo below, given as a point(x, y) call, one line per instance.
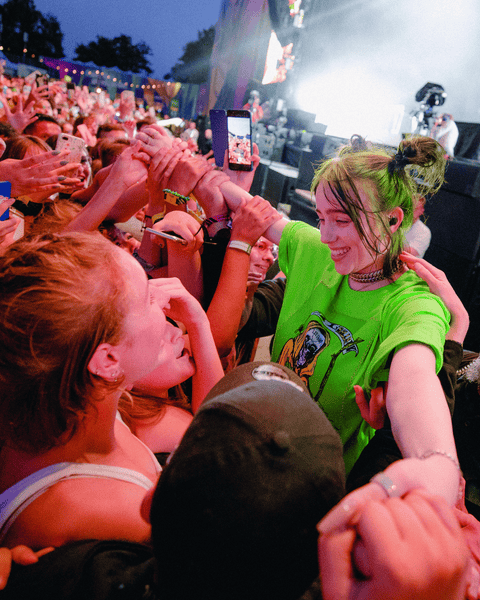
point(194, 65)
point(118, 52)
point(44, 34)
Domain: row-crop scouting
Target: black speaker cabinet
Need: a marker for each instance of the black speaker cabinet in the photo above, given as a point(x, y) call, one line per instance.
point(453, 216)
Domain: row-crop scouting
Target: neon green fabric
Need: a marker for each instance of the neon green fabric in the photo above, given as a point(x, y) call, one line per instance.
point(334, 337)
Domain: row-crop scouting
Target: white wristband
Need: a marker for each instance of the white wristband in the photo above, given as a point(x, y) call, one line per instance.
point(238, 245)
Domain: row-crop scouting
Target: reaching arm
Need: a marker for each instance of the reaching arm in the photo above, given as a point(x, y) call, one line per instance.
point(421, 424)
point(125, 173)
point(225, 310)
point(422, 428)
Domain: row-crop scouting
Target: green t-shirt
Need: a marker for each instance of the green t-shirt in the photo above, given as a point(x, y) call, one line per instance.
point(334, 337)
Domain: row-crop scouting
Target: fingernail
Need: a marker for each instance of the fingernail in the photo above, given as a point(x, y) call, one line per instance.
point(64, 162)
point(56, 152)
point(61, 178)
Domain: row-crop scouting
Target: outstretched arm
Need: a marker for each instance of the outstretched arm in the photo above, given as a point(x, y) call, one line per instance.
point(225, 311)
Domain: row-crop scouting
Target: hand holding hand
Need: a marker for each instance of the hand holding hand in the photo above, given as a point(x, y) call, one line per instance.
point(252, 219)
point(403, 548)
point(129, 168)
point(187, 173)
point(208, 193)
point(160, 170)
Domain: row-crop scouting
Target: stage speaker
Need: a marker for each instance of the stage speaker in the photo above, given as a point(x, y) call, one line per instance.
point(463, 177)
point(306, 169)
point(277, 152)
point(454, 220)
point(259, 179)
point(302, 210)
point(279, 184)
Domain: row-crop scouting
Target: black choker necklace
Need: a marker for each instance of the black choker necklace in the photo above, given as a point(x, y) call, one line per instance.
point(373, 276)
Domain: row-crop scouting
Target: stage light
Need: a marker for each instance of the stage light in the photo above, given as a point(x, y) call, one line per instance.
point(352, 100)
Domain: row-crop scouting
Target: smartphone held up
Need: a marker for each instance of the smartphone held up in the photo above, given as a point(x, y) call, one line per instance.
point(239, 127)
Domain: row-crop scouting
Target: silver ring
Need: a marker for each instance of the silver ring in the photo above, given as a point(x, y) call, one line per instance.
point(385, 483)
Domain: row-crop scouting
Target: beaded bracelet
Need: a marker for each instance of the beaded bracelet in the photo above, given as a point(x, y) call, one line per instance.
point(174, 197)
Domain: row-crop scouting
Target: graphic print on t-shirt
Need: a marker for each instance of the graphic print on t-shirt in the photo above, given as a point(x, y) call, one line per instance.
point(301, 353)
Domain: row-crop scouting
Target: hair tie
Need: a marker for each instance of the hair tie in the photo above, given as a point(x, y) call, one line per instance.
point(401, 159)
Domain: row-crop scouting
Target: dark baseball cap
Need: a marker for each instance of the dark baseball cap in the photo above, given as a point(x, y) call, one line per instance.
point(235, 511)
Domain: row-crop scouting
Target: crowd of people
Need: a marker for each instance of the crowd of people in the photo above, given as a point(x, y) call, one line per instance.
point(143, 452)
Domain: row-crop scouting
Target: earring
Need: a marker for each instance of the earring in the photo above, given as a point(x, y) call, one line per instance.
point(393, 221)
point(116, 375)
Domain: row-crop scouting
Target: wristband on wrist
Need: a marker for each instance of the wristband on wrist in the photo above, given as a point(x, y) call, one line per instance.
point(174, 197)
point(158, 217)
point(238, 245)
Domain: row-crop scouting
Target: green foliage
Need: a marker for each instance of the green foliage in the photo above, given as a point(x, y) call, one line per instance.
point(194, 65)
point(117, 52)
point(44, 34)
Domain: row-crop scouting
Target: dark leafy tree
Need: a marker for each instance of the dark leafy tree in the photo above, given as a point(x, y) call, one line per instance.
point(44, 34)
point(118, 52)
point(194, 65)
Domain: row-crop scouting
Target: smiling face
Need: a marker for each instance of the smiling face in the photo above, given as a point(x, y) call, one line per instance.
point(262, 256)
point(348, 251)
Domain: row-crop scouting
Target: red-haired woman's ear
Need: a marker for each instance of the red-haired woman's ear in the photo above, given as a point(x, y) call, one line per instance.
point(393, 221)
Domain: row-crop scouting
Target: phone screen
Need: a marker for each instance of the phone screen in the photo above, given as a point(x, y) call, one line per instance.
point(239, 125)
point(5, 192)
point(218, 125)
point(75, 145)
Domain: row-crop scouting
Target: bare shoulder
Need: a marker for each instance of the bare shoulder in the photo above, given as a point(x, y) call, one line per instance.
point(165, 435)
point(83, 508)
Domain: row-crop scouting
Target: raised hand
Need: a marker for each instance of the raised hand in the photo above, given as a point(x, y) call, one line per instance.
point(22, 115)
point(243, 179)
point(183, 225)
point(373, 411)
point(41, 173)
point(438, 283)
point(177, 303)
